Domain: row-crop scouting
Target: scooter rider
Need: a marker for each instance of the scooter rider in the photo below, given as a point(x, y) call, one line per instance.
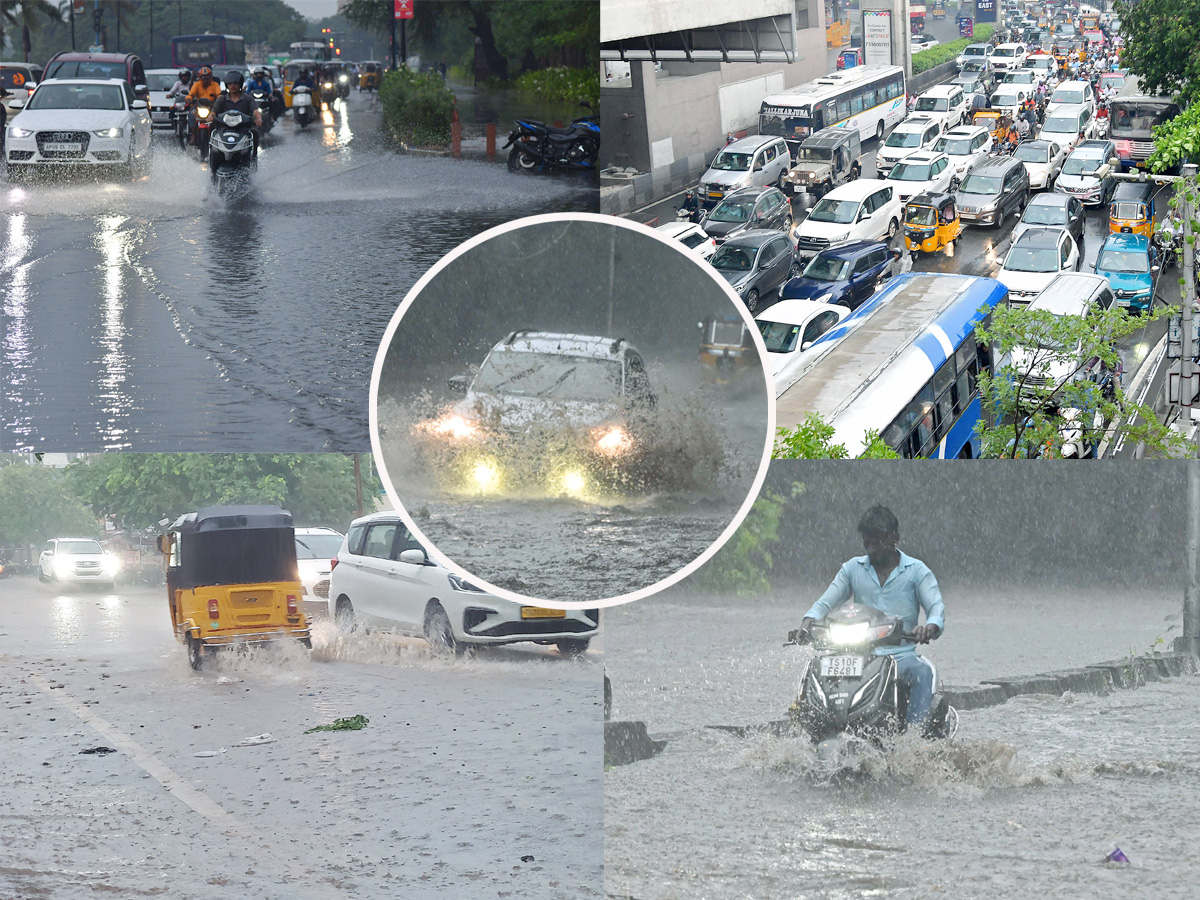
point(262, 82)
point(182, 85)
point(897, 585)
point(235, 98)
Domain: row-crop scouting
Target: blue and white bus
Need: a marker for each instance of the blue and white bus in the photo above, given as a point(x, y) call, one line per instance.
point(869, 98)
point(905, 364)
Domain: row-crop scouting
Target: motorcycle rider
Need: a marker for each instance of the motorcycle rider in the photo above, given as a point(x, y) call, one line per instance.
point(262, 82)
point(203, 88)
point(897, 585)
point(182, 85)
point(235, 98)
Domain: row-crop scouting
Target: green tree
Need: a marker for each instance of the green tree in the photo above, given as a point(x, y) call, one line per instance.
point(36, 503)
point(813, 439)
point(1161, 37)
point(743, 565)
point(1045, 389)
point(29, 15)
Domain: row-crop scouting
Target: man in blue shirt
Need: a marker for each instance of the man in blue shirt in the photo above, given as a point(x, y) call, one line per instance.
point(897, 585)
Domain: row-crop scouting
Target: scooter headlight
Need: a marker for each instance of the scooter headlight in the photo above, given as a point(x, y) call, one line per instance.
point(343, 79)
point(329, 84)
point(613, 441)
point(856, 633)
point(202, 112)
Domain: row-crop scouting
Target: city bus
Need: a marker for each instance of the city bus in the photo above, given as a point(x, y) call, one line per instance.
point(905, 364)
point(191, 51)
point(869, 98)
point(318, 50)
point(1131, 116)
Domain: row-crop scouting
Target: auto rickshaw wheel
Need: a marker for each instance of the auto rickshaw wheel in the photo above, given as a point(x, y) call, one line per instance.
point(195, 648)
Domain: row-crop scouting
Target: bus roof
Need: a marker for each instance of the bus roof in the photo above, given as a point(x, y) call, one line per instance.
point(829, 85)
point(907, 329)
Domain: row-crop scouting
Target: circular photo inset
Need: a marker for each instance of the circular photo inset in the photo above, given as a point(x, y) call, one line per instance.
point(572, 409)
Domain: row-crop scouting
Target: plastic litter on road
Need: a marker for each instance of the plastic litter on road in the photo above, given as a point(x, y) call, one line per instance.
point(264, 738)
point(204, 753)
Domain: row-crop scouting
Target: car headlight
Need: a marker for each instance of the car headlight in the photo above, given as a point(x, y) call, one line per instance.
point(452, 425)
point(826, 297)
point(613, 440)
point(109, 132)
point(111, 565)
point(63, 566)
point(741, 287)
point(16, 132)
point(839, 237)
point(461, 584)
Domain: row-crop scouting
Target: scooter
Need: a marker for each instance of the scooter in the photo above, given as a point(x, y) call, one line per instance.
point(262, 102)
point(537, 146)
point(231, 154)
point(200, 125)
point(343, 85)
point(179, 117)
point(848, 693)
point(302, 106)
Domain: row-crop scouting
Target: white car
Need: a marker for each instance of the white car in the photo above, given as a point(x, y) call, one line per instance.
point(384, 577)
point(1035, 259)
point(863, 210)
point(790, 327)
point(917, 132)
point(81, 560)
point(966, 147)
point(1010, 97)
point(1067, 126)
point(971, 52)
point(919, 42)
point(945, 102)
point(1043, 159)
point(691, 236)
point(80, 122)
point(315, 549)
point(927, 170)
point(1008, 56)
point(160, 82)
point(1073, 93)
point(1023, 76)
point(1044, 67)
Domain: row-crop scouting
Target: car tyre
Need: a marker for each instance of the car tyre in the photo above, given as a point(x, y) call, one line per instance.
point(893, 230)
point(195, 649)
point(439, 633)
point(795, 270)
point(855, 171)
point(572, 646)
point(779, 182)
point(344, 616)
point(752, 299)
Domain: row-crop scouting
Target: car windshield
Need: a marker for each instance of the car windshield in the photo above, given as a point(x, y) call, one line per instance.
point(68, 95)
point(1005, 98)
point(549, 376)
point(1067, 95)
point(975, 51)
point(728, 334)
point(825, 268)
point(819, 153)
point(1112, 82)
point(733, 259)
point(903, 139)
point(1028, 153)
point(981, 184)
point(317, 546)
point(1061, 125)
point(1123, 261)
point(1018, 78)
point(736, 209)
point(1032, 259)
point(827, 209)
point(1081, 165)
point(953, 146)
point(1004, 52)
point(1044, 214)
point(908, 171)
point(732, 162)
point(932, 104)
point(920, 215)
point(161, 81)
point(1128, 210)
point(76, 547)
point(780, 337)
point(86, 68)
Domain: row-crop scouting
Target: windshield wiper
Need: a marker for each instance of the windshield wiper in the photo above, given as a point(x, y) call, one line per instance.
point(561, 378)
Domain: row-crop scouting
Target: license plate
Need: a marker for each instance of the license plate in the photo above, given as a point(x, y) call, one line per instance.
point(1122, 303)
point(63, 148)
point(841, 666)
point(536, 612)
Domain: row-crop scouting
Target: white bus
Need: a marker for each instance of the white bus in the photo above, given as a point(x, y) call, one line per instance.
point(869, 98)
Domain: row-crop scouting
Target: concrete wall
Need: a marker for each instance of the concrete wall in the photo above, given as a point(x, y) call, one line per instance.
point(623, 19)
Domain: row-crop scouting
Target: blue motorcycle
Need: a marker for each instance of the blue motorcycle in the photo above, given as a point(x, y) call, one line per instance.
point(537, 146)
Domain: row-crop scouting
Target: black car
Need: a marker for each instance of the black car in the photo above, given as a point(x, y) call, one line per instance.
point(1056, 210)
point(755, 263)
point(846, 274)
point(746, 209)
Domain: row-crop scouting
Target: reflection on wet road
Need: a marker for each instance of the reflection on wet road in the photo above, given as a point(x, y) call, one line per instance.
point(149, 315)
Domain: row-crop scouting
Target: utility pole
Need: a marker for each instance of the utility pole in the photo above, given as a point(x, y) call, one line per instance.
point(1191, 597)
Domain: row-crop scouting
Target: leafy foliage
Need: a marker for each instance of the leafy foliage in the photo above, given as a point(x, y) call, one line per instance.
point(561, 84)
point(36, 503)
point(925, 60)
point(1045, 393)
point(1161, 37)
point(1177, 141)
point(416, 107)
point(813, 439)
point(743, 565)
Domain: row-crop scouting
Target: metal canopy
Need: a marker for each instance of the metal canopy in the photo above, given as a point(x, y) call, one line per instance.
point(770, 39)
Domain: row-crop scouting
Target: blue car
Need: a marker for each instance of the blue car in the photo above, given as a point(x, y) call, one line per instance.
point(1130, 264)
point(846, 274)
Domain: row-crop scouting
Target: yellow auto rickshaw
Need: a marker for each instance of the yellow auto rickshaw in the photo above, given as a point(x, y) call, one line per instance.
point(1131, 209)
point(232, 579)
point(994, 120)
point(369, 75)
point(726, 348)
point(931, 223)
point(291, 72)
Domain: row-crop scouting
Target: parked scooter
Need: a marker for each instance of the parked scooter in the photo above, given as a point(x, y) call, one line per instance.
point(537, 146)
point(302, 106)
point(231, 155)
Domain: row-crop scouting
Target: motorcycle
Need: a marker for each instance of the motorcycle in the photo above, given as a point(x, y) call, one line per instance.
point(690, 210)
point(536, 145)
point(231, 154)
point(848, 693)
point(200, 126)
point(302, 106)
point(179, 116)
point(343, 85)
point(262, 102)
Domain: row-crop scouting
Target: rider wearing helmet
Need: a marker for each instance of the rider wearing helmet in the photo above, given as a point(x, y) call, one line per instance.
point(305, 79)
point(182, 85)
point(235, 98)
point(261, 81)
point(204, 88)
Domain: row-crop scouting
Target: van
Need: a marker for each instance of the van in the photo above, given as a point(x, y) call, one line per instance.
point(826, 159)
point(755, 161)
point(859, 211)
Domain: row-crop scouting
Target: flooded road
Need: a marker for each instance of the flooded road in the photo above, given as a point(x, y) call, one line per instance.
point(1026, 801)
point(482, 772)
point(149, 315)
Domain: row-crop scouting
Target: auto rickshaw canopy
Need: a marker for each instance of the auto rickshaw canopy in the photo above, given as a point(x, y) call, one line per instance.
point(942, 203)
point(233, 545)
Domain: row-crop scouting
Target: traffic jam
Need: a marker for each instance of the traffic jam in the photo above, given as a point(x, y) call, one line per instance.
point(1006, 169)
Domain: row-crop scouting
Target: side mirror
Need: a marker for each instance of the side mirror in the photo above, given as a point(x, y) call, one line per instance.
point(458, 384)
point(138, 104)
point(140, 89)
point(758, 167)
point(806, 345)
point(1155, 269)
point(413, 557)
point(17, 104)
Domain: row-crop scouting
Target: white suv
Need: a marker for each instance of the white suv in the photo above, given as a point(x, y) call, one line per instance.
point(917, 132)
point(967, 146)
point(945, 102)
point(1008, 56)
point(382, 576)
point(81, 560)
point(859, 211)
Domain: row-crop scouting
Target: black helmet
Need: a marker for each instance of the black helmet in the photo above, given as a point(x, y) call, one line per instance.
point(185, 74)
point(233, 76)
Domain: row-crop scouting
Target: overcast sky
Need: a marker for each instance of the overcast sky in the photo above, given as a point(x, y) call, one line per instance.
point(314, 9)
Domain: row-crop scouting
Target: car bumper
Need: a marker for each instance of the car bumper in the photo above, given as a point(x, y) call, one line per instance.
point(97, 152)
point(1039, 182)
point(1093, 196)
point(163, 117)
point(490, 623)
point(979, 218)
point(88, 577)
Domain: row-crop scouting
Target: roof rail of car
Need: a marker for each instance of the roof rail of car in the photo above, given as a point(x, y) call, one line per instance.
point(616, 345)
point(513, 335)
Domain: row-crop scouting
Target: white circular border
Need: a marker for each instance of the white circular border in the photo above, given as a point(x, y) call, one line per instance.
point(430, 545)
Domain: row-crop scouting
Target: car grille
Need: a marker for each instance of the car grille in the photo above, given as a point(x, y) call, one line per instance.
point(1128, 295)
point(63, 137)
point(17, 155)
point(1141, 149)
point(811, 243)
point(535, 626)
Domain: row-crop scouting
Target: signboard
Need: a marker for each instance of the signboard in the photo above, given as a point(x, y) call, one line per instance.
point(966, 27)
point(985, 10)
point(877, 37)
point(404, 9)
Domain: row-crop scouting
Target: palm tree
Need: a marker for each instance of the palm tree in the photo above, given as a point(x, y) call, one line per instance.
point(29, 15)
